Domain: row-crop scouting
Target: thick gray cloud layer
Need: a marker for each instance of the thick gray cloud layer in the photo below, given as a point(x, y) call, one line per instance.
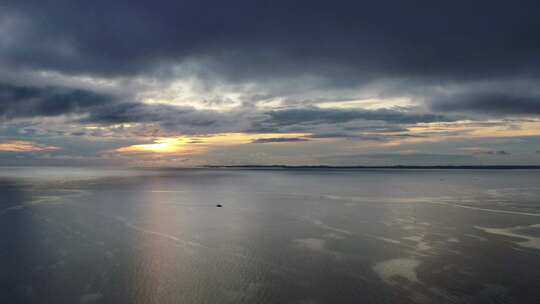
point(491, 103)
point(342, 44)
point(21, 102)
point(345, 40)
point(318, 116)
point(95, 108)
point(95, 62)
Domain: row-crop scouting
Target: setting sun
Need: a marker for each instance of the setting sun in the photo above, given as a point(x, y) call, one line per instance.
point(162, 145)
point(198, 144)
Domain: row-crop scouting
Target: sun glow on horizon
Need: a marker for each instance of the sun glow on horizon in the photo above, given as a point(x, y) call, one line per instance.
point(185, 145)
point(160, 145)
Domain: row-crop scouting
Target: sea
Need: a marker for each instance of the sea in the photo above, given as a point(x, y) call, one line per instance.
point(81, 235)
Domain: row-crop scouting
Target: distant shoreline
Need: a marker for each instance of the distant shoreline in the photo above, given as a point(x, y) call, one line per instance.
point(280, 167)
point(292, 167)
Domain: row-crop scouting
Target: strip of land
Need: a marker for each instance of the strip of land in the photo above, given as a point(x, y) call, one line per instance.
point(277, 167)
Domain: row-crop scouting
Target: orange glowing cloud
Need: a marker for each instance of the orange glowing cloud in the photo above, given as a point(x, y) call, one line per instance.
point(444, 131)
point(196, 144)
point(25, 146)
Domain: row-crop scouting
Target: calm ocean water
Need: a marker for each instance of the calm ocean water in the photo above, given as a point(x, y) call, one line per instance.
point(282, 236)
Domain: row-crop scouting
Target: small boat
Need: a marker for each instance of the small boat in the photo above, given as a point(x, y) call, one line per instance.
point(219, 205)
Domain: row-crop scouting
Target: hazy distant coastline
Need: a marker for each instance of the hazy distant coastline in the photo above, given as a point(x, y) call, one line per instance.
point(495, 167)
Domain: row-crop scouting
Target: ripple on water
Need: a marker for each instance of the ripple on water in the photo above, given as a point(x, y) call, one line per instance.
point(312, 244)
point(90, 298)
point(516, 232)
point(401, 267)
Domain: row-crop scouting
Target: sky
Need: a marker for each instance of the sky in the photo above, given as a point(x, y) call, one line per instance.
point(192, 83)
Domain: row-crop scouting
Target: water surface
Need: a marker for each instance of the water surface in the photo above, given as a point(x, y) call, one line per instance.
point(282, 236)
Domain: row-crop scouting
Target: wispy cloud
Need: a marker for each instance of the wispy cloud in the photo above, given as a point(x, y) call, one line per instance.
point(278, 140)
point(485, 151)
point(25, 146)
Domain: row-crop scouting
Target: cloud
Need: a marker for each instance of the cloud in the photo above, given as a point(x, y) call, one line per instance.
point(23, 102)
point(314, 116)
point(490, 102)
point(74, 73)
point(359, 40)
point(270, 52)
point(485, 151)
point(278, 140)
point(18, 146)
point(491, 152)
point(88, 107)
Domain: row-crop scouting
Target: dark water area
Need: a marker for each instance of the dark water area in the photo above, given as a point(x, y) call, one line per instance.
point(281, 236)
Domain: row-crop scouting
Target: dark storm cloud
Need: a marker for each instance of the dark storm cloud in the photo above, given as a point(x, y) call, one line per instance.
point(21, 102)
point(315, 116)
point(344, 41)
point(89, 107)
point(495, 103)
point(491, 152)
point(380, 129)
point(364, 136)
point(343, 123)
point(176, 119)
point(278, 140)
point(284, 48)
